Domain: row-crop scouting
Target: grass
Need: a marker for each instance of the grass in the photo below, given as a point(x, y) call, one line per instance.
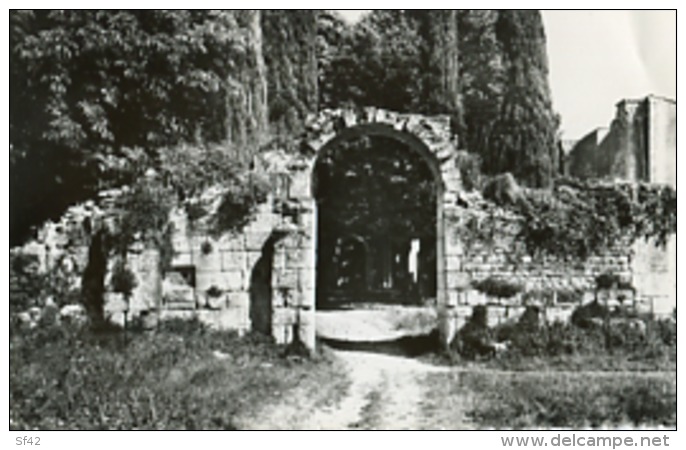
point(522, 400)
point(182, 376)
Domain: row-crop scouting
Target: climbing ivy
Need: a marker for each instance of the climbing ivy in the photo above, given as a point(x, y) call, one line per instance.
point(578, 219)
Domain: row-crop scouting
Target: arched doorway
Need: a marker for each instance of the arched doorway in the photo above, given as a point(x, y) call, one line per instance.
point(378, 193)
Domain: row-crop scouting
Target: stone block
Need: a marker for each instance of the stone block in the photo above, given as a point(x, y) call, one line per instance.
point(281, 298)
point(303, 298)
point(181, 243)
point(453, 298)
point(307, 328)
point(474, 297)
point(458, 280)
point(287, 278)
point(296, 258)
point(282, 333)
point(238, 300)
point(255, 240)
point(284, 316)
point(182, 259)
point(263, 219)
point(208, 262)
point(300, 185)
point(225, 319)
point(453, 243)
point(225, 281)
point(233, 260)
point(231, 242)
point(306, 279)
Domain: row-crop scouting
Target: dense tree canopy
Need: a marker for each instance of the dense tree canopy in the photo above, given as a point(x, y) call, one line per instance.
point(97, 95)
point(487, 69)
point(375, 186)
point(90, 87)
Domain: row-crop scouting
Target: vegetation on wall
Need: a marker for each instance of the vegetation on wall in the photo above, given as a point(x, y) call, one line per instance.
point(576, 220)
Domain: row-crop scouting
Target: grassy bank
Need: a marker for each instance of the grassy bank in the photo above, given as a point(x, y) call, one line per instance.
point(182, 376)
point(520, 400)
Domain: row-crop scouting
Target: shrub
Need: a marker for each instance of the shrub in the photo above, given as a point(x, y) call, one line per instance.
point(582, 315)
point(213, 291)
point(497, 287)
point(569, 296)
point(609, 280)
point(469, 165)
point(26, 282)
point(206, 248)
point(122, 281)
point(474, 338)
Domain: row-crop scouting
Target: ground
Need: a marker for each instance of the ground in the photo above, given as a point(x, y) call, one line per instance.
point(386, 392)
point(395, 392)
point(395, 381)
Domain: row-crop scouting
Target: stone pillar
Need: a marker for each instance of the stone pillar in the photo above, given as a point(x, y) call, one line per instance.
point(293, 282)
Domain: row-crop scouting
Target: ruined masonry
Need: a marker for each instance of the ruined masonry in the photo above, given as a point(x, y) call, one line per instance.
point(263, 278)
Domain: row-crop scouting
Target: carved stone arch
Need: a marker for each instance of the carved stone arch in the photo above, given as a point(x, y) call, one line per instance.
point(429, 137)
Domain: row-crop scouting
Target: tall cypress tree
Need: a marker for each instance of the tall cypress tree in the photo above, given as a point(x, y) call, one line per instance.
point(523, 139)
point(439, 52)
point(290, 52)
point(482, 79)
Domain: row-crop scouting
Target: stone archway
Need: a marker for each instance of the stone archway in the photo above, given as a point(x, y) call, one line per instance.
point(391, 227)
point(294, 273)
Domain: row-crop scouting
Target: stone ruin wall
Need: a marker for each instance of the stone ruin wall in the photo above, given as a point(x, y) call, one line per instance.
point(266, 273)
point(501, 258)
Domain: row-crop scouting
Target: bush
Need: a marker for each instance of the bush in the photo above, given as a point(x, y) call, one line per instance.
point(619, 342)
point(123, 280)
point(469, 165)
point(497, 287)
point(26, 283)
point(609, 280)
point(582, 315)
point(474, 339)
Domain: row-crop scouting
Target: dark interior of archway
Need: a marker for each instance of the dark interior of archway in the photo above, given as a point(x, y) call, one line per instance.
point(377, 224)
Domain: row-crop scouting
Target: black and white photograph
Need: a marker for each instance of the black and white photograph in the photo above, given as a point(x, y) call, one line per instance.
point(314, 219)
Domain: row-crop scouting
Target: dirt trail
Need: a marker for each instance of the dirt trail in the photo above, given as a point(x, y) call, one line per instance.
point(386, 392)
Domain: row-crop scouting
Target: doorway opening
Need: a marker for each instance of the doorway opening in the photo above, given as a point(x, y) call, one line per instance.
point(377, 202)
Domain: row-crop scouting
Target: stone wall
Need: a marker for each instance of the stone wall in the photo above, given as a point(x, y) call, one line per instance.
point(544, 281)
point(262, 277)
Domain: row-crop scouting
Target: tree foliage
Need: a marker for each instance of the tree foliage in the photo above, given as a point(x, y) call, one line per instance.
point(486, 69)
point(524, 132)
point(373, 186)
point(290, 50)
point(88, 86)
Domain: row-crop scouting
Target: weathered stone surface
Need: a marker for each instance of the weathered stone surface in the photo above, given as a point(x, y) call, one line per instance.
point(306, 279)
point(458, 280)
point(234, 260)
point(231, 242)
point(208, 262)
point(300, 185)
point(238, 300)
point(255, 240)
point(287, 278)
point(226, 281)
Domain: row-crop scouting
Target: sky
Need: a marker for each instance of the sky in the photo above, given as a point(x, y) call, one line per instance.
point(597, 58)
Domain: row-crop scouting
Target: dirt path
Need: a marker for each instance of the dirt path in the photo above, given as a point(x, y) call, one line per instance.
point(386, 392)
